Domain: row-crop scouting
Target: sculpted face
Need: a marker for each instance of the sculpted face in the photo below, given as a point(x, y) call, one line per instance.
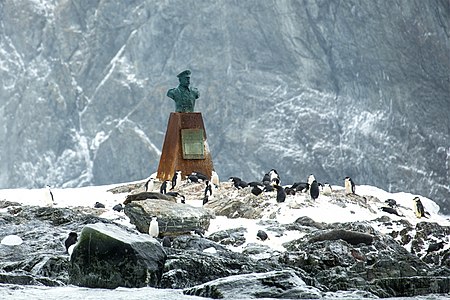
point(185, 81)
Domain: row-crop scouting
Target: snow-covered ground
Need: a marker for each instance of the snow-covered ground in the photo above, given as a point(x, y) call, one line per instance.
point(324, 209)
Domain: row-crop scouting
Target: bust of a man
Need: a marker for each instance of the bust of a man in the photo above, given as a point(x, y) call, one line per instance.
point(184, 96)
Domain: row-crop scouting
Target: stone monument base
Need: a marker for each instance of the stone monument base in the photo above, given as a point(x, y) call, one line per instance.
point(185, 147)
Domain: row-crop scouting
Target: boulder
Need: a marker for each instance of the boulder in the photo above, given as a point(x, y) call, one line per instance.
point(190, 264)
point(351, 237)
point(276, 284)
point(148, 195)
point(241, 204)
point(107, 256)
point(173, 218)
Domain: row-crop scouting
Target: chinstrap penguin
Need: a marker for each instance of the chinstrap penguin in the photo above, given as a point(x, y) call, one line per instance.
point(153, 229)
point(314, 190)
point(176, 180)
point(349, 185)
point(71, 239)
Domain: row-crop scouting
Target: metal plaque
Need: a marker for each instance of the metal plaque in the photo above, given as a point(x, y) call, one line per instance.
point(193, 143)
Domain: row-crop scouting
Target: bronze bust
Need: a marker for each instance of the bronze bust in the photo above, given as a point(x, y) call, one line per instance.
point(184, 96)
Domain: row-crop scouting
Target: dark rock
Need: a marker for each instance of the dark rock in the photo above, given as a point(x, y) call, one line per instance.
point(276, 284)
point(190, 242)
point(118, 207)
point(99, 205)
point(187, 268)
point(262, 235)
point(351, 237)
point(108, 257)
point(148, 195)
point(234, 237)
point(173, 218)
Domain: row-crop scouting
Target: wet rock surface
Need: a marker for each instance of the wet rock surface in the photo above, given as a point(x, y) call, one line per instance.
point(326, 258)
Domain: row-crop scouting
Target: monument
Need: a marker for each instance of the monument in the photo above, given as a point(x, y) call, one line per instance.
point(185, 147)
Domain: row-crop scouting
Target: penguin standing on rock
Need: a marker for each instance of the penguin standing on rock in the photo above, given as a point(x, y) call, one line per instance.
point(71, 239)
point(215, 178)
point(209, 188)
point(163, 187)
point(349, 185)
point(176, 180)
point(49, 200)
point(149, 185)
point(274, 176)
point(419, 210)
point(281, 193)
point(314, 190)
point(153, 229)
point(327, 190)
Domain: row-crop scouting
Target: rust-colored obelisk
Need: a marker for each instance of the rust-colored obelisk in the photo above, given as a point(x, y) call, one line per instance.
point(185, 147)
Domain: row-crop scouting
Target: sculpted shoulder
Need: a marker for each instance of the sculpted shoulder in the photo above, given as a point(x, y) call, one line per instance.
point(195, 92)
point(171, 93)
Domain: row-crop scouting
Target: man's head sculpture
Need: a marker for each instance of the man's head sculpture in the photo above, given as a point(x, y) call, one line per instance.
point(184, 96)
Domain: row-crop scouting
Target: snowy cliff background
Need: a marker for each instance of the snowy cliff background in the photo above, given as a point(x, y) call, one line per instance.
point(333, 88)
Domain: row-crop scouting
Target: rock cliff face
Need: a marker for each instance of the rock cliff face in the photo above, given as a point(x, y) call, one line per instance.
point(334, 88)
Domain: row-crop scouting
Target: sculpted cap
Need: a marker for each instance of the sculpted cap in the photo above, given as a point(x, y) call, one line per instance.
point(185, 73)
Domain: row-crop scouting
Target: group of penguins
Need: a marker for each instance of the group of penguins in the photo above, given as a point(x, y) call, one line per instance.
point(269, 183)
point(177, 180)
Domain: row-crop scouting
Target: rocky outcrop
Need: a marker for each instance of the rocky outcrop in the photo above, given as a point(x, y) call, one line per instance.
point(275, 284)
point(108, 257)
point(329, 258)
point(173, 218)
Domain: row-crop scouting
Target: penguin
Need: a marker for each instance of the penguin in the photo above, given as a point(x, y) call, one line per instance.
point(149, 185)
point(163, 187)
point(274, 176)
point(71, 239)
point(99, 205)
point(153, 229)
point(205, 199)
point(49, 200)
point(349, 185)
point(238, 183)
point(192, 178)
point(281, 193)
point(327, 190)
point(177, 195)
point(208, 189)
point(118, 207)
point(391, 203)
point(266, 179)
point(390, 210)
point(419, 210)
point(176, 180)
point(268, 188)
point(262, 235)
point(200, 176)
point(290, 191)
point(301, 187)
point(215, 178)
point(314, 190)
point(311, 178)
point(256, 190)
point(166, 242)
